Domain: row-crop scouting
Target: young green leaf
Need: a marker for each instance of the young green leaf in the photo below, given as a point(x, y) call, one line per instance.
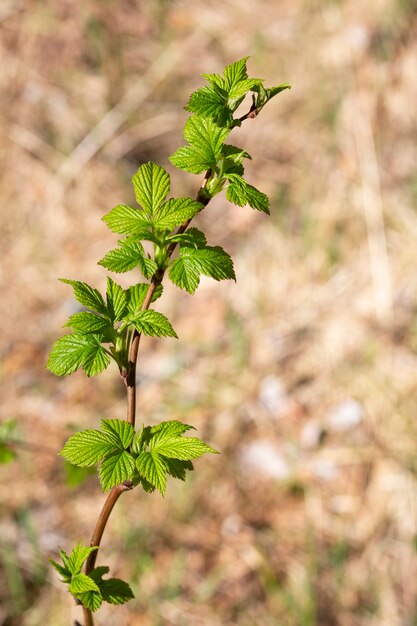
point(122, 431)
point(63, 571)
point(153, 324)
point(92, 600)
point(87, 296)
point(116, 591)
point(206, 140)
point(126, 220)
point(85, 322)
point(127, 256)
point(240, 192)
point(177, 468)
point(88, 447)
point(166, 430)
point(80, 583)
point(76, 559)
point(73, 351)
point(185, 273)
point(192, 237)
point(176, 211)
point(224, 93)
point(115, 469)
point(152, 466)
point(211, 261)
point(151, 183)
point(116, 300)
point(136, 296)
point(182, 448)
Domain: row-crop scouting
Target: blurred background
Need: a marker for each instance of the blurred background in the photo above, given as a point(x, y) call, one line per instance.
point(304, 373)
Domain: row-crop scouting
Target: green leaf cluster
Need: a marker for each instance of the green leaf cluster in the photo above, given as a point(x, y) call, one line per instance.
point(145, 457)
point(102, 332)
point(90, 589)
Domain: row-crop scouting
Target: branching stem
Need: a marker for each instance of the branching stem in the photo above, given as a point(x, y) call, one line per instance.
point(129, 378)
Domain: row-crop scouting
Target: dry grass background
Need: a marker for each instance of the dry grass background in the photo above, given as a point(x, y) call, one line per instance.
point(303, 374)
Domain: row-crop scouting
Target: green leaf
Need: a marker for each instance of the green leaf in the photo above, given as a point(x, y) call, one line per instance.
point(75, 560)
point(80, 583)
point(73, 351)
point(96, 359)
point(151, 183)
point(136, 296)
point(115, 469)
point(88, 447)
point(126, 220)
point(63, 571)
point(153, 324)
point(211, 261)
point(91, 600)
point(176, 211)
point(192, 237)
point(116, 591)
point(129, 255)
point(182, 448)
point(87, 296)
point(121, 430)
point(166, 430)
point(184, 272)
point(224, 94)
point(240, 192)
point(153, 468)
point(85, 322)
point(206, 140)
point(116, 300)
point(177, 468)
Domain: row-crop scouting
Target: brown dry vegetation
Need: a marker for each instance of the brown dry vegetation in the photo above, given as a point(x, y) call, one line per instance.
point(304, 373)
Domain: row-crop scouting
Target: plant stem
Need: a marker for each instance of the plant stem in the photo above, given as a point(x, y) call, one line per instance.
point(129, 378)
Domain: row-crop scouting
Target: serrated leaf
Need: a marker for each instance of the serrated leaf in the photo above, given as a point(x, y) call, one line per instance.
point(153, 468)
point(92, 600)
point(151, 183)
point(240, 192)
point(235, 154)
point(185, 273)
point(115, 469)
point(176, 211)
point(166, 430)
point(116, 300)
point(191, 237)
point(77, 557)
point(96, 359)
point(87, 296)
point(206, 140)
point(273, 91)
point(126, 257)
point(98, 572)
point(177, 468)
point(123, 431)
point(80, 583)
point(153, 324)
point(235, 72)
point(204, 134)
point(136, 296)
point(126, 220)
point(207, 101)
point(116, 591)
point(85, 322)
point(63, 571)
point(88, 447)
point(211, 261)
point(182, 448)
point(73, 351)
